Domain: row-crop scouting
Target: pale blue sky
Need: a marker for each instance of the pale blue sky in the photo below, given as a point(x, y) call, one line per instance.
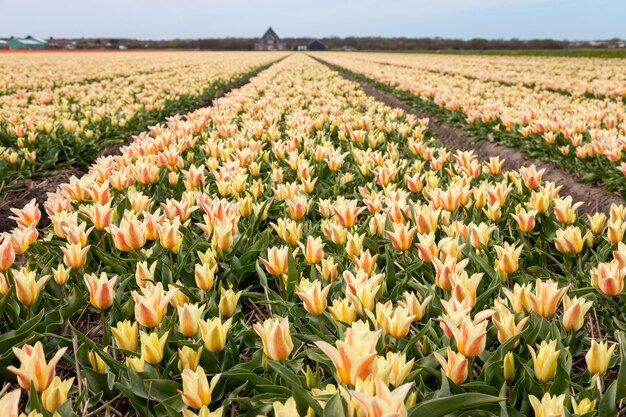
point(161, 19)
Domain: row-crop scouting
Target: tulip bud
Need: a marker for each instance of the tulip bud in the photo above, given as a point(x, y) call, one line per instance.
point(545, 360)
point(228, 302)
point(509, 367)
point(312, 381)
point(137, 364)
point(598, 357)
point(205, 275)
point(189, 358)
point(96, 362)
point(126, 335)
point(56, 394)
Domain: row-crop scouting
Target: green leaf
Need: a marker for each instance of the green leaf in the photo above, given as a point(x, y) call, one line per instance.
point(334, 407)
point(442, 406)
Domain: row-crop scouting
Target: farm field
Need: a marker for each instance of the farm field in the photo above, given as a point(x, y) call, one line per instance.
point(61, 109)
point(299, 247)
point(570, 111)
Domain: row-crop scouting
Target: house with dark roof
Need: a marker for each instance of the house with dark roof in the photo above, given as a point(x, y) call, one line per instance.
point(269, 42)
point(316, 45)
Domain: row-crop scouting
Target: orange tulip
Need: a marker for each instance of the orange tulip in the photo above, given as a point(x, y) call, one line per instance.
point(402, 236)
point(354, 357)
point(455, 366)
point(277, 260)
point(470, 337)
point(546, 298)
point(608, 278)
point(196, 388)
point(74, 255)
point(101, 290)
point(574, 312)
point(277, 343)
point(313, 297)
point(28, 215)
point(314, 250)
point(34, 370)
point(151, 304)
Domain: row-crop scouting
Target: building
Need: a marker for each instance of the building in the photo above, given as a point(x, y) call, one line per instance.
point(27, 43)
point(316, 46)
point(270, 42)
point(3, 45)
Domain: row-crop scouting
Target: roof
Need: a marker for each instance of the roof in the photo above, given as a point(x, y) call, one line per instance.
point(270, 32)
point(30, 41)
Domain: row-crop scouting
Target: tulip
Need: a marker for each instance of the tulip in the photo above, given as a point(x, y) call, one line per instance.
point(33, 370)
point(74, 255)
point(574, 311)
point(329, 270)
point(214, 333)
point(189, 316)
point(412, 302)
point(151, 304)
point(7, 252)
point(277, 343)
point(545, 360)
point(288, 409)
point(509, 367)
point(479, 235)
point(277, 260)
point(152, 346)
point(470, 337)
point(395, 366)
point(205, 275)
point(288, 230)
point(505, 323)
point(519, 298)
point(583, 407)
point(101, 291)
point(569, 240)
point(137, 364)
point(549, 406)
point(615, 231)
point(204, 412)
point(608, 278)
point(354, 245)
point(126, 335)
point(27, 287)
point(343, 311)
point(96, 362)
point(402, 236)
point(564, 210)
point(347, 212)
point(596, 223)
point(179, 298)
point(28, 215)
point(61, 274)
point(598, 357)
point(129, 235)
point(395, 322)
point(5, 286)
point(189, 358)
point(508, 257)
point(525, 219)
point(355, 357)
point(456, 366)
point(101, 215)
point(170, 236)
point(546, 298)
point(9, 404)
point(314, 297)
point(228, 302)
point(385, 402)
point(145, 274)
point(464, 286)
point(314, 250)
point(56, 394)
point(197, 391)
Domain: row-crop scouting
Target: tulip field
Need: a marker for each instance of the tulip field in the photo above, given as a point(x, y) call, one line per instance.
point(299, 248)
point(568, 111)
point(59, 110)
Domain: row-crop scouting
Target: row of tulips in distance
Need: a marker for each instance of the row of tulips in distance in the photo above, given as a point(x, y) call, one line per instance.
point(27, 74)
point(595, 77)
point(310, 251)
point(40, 129)
point(585, 135)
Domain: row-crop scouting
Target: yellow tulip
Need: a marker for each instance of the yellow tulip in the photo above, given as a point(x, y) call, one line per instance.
point(56, 394)
point(598, 357)
point(197, 391)
point(274, 332)
point(33, 370)
point(152, 346)
point(214, 333)
point(27, 287)
point(545, 360)
point(126, 335)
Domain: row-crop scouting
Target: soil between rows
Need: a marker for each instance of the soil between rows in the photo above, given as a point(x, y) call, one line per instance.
point(594, 198)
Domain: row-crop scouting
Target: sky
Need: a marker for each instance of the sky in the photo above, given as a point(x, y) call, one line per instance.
point(169, 19)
